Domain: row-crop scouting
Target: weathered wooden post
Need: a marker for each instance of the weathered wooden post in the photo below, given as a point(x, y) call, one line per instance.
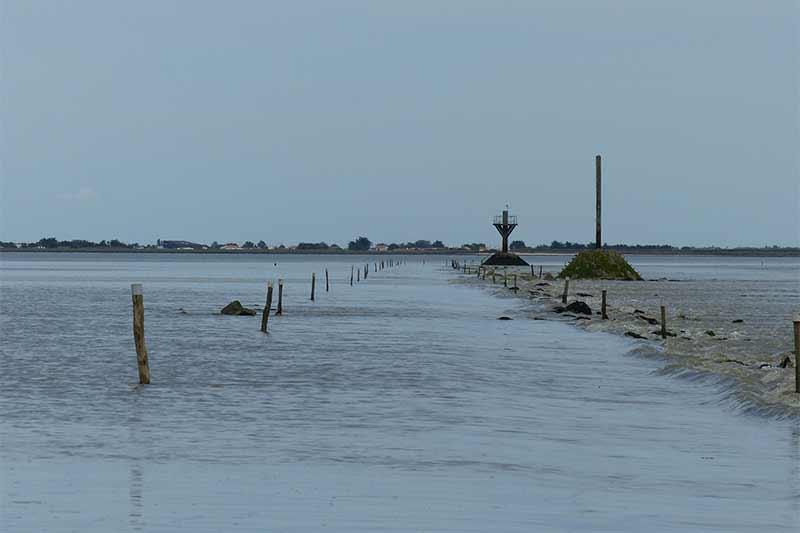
point(138, 333)
point(327, 281)
point(797, 353)
point(358, 275)
point(366, 271)
point(351, 275)
point(533, 275)
point(267, 308)
point(603, 313)
point(478, 270)
point(515, 282)
point(599, 202)
point(540, 271)
point(505, 277)
point(279, 311)
point(313, 284)
point(663, 322)
point(566, 291)
point(493, 276)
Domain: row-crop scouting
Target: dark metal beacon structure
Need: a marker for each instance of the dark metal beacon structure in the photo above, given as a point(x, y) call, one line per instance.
point(505, 224)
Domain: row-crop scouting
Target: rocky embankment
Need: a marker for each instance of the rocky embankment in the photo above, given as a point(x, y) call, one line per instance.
point(738, 330)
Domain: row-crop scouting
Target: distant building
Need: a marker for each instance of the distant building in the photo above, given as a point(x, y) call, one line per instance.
point(380, 247)
point(231, 246)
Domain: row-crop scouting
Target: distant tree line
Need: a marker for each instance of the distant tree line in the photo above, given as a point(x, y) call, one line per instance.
point(363, 244)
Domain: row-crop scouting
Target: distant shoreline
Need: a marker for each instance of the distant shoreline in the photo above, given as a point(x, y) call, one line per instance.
point(729, 252)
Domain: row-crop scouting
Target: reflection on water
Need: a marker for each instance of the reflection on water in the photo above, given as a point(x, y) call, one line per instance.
point(400, 403)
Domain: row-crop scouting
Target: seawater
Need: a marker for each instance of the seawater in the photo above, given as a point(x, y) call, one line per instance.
point(399, 404)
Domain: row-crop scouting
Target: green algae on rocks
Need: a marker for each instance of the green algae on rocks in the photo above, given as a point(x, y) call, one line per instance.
point(600, 264)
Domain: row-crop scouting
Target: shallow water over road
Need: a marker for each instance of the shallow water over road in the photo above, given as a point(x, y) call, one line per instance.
point(400, 404)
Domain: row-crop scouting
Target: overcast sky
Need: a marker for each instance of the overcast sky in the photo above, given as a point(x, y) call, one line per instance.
point(308, 121)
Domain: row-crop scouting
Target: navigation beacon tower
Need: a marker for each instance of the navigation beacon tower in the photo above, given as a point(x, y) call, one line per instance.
point(505, 224)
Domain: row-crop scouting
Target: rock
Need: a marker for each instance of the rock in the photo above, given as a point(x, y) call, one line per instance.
point(737, 321)
point(504, 318)
point(634, 335)
point(235, 309)
point(649, 320)
point(638, 312)
point(711, 333)
point(579, 307)
point(786, 362)
point(735, 361)
point(182, 311)
point(669, 333)
point(542, 284)
point(584, 295)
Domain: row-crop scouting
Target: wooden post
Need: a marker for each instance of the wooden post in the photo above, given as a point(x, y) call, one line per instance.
point(484, 272)
point(663, 322)
point(532, 273)
point(138, 333)
point(479, 271)
point(313, 284)
point(566, 291)
point(540, 271)
point(797, 353)
point(280, 297)
point(505, 278)
point(603, 313)
point(351, 275)
point(267, 308)
point(599, 202)
point(358, 275)
point(327, 281)
point(366, 271)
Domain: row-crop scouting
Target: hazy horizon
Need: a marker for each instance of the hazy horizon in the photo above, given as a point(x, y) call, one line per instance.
point(309, 121)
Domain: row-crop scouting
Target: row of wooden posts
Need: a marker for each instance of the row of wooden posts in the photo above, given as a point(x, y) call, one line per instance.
point(481, 272)
point(137, 297)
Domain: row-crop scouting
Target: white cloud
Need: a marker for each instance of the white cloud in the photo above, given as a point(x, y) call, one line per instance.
point(84, 194)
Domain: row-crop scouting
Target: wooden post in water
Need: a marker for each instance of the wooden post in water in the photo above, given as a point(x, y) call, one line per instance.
point(540, 271)
point(532, 273)
point(493, 276)
point(313, 284)
point(599, 203)
point(327, 281)
point(267, 308)
point(138, 333)
point(603, 313)
point(797, 353)
point(366, 271)
point(515, 282)
point(358, 275)
point(279, 311)
point(566, 291)
point(351, 275)
point(663, 322)
point(505, 278)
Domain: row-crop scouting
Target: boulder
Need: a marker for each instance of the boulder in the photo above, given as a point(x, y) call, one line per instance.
point(738, 321)
point(786, 363)
point(504, 318)
point(711, 333)
point(634, 335)
point(235, 308)
point(579, 307)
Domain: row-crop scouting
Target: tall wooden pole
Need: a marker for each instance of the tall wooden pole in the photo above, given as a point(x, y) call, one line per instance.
point(267, 308)
point(279, 311)
point(599, 220)
point(138, 333)
point(327, 282)
point(797, 353)
point(313, 284)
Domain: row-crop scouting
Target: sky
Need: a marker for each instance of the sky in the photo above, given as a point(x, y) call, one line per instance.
point(420, 119)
